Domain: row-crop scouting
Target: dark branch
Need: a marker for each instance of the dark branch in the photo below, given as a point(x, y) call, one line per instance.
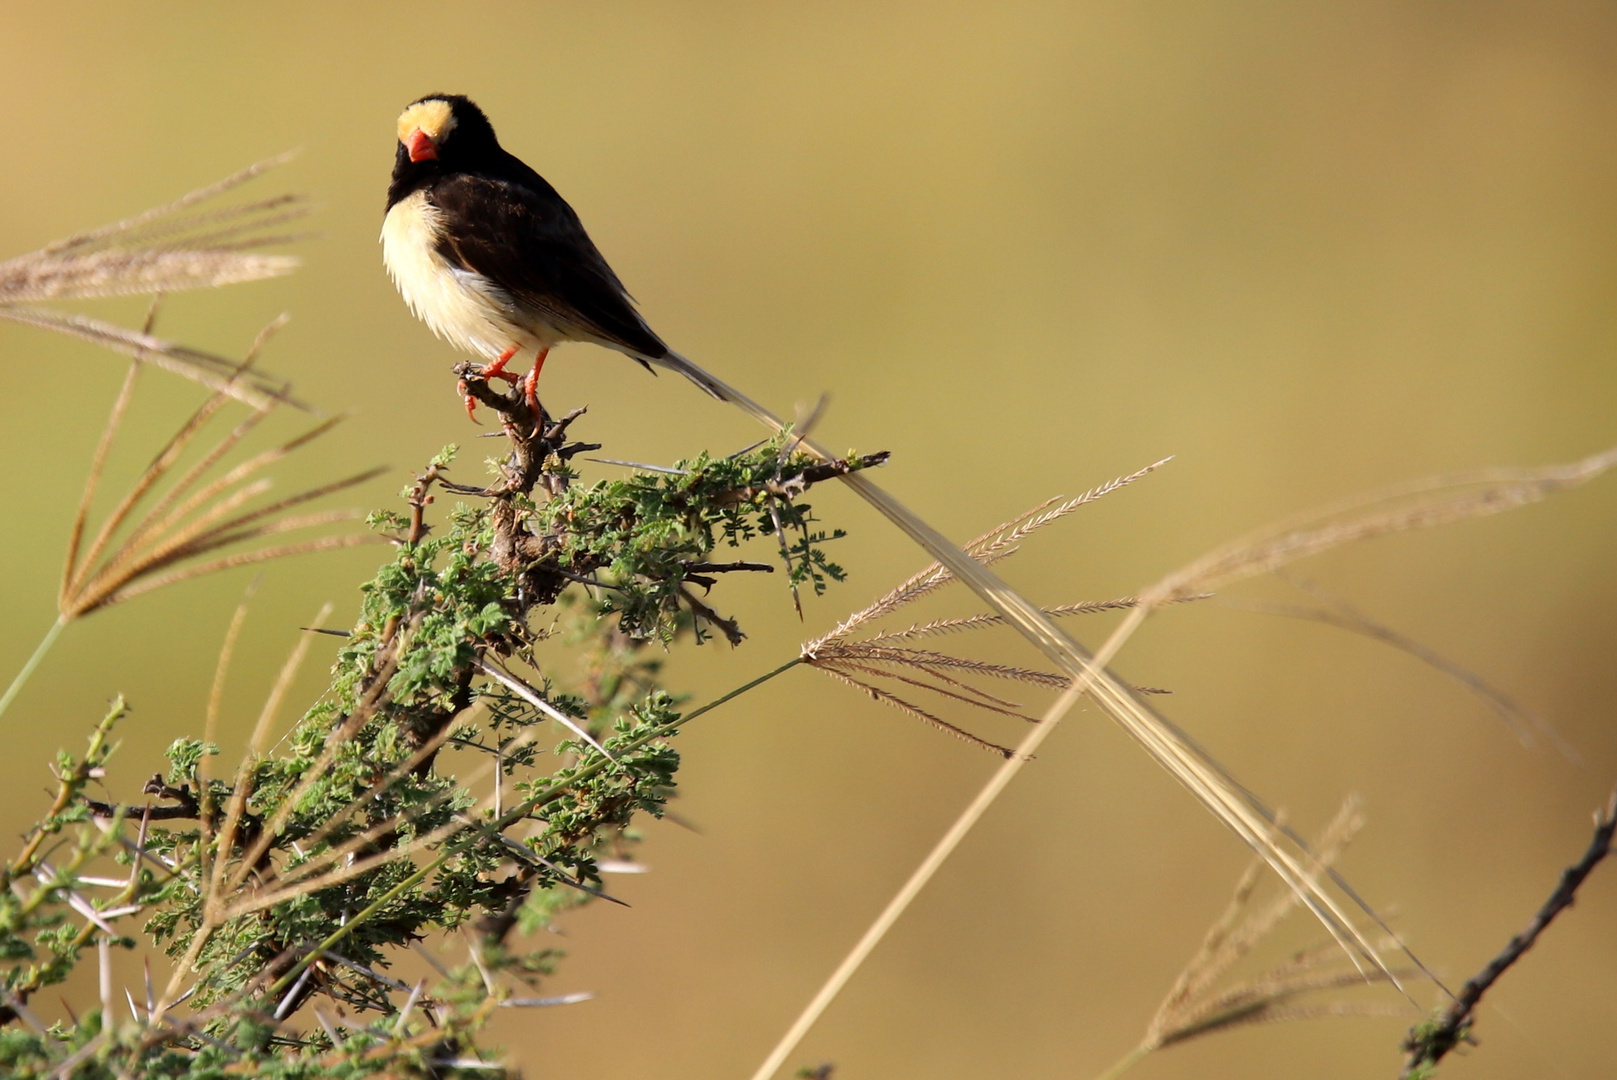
point(185, 808)
point(1428, 1043)
point(581, 579)
point(800, 482)
point(728, 627)
point(829, 470)
point(154, 813)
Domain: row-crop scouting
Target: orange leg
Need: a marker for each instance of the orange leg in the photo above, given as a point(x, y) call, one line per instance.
point(497, 370)
point(532, 381)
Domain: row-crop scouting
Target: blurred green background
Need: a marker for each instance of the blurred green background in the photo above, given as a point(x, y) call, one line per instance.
point(1311, 249)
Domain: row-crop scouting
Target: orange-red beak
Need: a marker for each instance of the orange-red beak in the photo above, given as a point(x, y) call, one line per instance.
point(421, 147)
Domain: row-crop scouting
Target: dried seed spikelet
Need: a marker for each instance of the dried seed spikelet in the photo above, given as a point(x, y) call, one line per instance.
point(856, 662)
point(1196, 1005)
point(167, 249)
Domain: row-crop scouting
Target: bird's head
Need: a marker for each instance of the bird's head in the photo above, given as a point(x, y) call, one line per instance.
point(445, 128)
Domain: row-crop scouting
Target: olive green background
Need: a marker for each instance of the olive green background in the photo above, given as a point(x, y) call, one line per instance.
point(1310, 249)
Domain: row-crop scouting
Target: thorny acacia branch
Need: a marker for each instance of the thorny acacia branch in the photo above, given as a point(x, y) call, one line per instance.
point(447, 611)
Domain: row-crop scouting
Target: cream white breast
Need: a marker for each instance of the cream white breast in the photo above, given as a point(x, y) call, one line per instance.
point(464, 308)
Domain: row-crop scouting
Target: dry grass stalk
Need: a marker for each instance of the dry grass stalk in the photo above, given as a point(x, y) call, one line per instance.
point(242, 788)
point(1196, 1006)
point(213, 901)
point(1242, 926)
point(210, 729)
point(166, 249)
point(980, 622)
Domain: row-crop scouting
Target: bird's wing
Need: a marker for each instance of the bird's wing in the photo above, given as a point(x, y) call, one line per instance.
point(531, 244)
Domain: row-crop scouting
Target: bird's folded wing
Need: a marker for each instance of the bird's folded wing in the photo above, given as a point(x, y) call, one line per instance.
point(531, 244)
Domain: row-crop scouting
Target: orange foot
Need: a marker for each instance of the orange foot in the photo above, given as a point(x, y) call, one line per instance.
point(495, 370)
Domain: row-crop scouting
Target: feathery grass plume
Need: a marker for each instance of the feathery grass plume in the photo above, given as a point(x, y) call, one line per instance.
point(167, 249)
point(1000, 542)
point(195, 516)
point(1421, 504)
point(1196, 1005)
point(204, 521)
point(885, 654)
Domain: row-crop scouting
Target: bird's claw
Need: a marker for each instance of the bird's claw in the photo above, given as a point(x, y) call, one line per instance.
point(471, 402)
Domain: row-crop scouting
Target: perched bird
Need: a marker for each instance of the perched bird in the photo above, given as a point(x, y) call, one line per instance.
point(493, 260)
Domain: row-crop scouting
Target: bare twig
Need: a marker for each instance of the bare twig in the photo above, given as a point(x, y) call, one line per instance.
point(1429, 1043)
